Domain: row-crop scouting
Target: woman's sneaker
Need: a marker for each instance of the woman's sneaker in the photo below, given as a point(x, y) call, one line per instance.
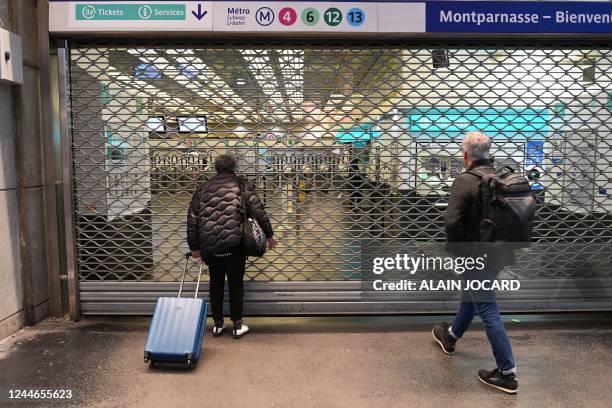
point(218, 328)
point(504, 382)
point(240, 329)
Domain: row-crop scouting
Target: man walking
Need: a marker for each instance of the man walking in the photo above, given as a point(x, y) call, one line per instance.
point(462, 220)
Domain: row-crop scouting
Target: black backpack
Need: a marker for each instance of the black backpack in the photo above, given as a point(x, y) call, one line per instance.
point(508, 207)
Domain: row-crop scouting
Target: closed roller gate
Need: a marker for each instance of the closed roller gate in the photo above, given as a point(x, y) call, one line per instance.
point(349, 146)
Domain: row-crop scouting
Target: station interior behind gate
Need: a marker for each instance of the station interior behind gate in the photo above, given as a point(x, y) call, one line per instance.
point(347, 145)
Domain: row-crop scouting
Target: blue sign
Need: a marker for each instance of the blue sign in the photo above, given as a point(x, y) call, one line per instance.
point(147, 71)
point(359, 135)
point(534, 152)
point(518, 17)
point(515, 123)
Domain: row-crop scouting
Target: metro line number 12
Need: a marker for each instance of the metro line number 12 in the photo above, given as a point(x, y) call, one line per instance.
point(333, 16)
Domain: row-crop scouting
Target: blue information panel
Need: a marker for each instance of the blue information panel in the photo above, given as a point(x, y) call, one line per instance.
point(509, 123)
point(534, 153)
point(518, 17)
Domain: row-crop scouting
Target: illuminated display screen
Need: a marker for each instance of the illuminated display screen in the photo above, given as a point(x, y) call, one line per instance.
point(189, 124)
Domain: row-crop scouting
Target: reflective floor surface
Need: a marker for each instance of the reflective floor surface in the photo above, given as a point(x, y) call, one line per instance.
point(563, 361)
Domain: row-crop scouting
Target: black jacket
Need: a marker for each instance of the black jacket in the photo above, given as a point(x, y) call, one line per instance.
point(462, 217)
point(215, 214)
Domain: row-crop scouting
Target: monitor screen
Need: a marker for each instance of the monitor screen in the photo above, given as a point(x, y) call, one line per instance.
point(156, 124)
point(195, 124)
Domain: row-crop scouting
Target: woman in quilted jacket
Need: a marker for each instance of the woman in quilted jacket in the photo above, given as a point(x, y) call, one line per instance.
point(214, 233)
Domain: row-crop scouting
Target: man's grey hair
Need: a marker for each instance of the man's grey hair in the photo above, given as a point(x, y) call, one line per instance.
point(477, 145)
point(226, 163)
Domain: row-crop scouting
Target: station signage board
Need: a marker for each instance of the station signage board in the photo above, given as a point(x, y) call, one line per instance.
point(369, 18)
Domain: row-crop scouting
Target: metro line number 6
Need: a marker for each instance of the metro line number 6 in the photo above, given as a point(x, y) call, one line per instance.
point(310, 16)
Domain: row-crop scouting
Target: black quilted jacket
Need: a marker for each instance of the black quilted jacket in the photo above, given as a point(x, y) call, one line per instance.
point(215, 215)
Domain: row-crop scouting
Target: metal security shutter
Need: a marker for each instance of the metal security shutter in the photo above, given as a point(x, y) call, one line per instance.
point(347, 145)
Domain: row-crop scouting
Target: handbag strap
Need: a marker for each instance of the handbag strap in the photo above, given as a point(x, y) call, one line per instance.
point(244, 199)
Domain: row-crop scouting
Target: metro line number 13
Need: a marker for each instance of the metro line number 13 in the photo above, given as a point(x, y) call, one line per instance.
point(355, 17)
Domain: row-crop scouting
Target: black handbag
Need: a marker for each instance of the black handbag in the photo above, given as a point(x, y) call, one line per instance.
point(254, 242)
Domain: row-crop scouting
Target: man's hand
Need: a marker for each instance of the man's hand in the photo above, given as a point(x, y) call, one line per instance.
point(196, 254)
point(272, 243)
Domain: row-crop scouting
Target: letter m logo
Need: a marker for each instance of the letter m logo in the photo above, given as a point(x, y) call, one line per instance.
point(264, 16)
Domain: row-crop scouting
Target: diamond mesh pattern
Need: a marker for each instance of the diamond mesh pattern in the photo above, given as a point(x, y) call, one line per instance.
point(346, 145)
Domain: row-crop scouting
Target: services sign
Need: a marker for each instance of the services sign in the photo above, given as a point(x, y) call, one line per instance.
point(140, 16)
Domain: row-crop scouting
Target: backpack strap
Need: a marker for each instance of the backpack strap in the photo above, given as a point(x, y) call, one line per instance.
point(485, 191)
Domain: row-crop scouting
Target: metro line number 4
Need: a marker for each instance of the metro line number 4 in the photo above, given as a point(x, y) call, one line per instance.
point(287, 16)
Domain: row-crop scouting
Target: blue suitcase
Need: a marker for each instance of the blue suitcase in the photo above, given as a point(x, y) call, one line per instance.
point(177, 328)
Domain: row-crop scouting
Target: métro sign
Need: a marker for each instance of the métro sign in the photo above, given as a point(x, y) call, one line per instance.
point(341, 17)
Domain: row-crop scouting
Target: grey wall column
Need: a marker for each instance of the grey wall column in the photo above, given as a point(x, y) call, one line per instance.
point(48, 154)
point(67, 180)
point(24, 242)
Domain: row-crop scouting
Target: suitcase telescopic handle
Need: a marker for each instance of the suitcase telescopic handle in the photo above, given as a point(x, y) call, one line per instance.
point(187, 256)
point(199, 277)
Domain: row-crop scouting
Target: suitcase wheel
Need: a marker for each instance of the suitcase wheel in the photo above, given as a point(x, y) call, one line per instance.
point(191, 363)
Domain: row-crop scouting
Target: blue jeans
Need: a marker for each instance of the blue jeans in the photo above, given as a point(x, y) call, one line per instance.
point(496, 333)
